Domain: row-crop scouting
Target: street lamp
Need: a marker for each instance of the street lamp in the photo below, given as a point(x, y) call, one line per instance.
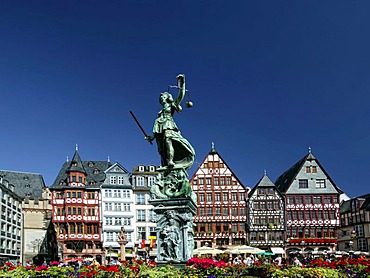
point(350, 245)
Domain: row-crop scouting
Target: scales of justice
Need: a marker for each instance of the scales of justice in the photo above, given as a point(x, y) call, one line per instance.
point(171, 195)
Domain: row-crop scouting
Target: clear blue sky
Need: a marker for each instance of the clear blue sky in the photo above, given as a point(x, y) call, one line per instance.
point(268, 79)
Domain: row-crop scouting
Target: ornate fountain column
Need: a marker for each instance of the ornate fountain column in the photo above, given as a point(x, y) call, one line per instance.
point(172, 197)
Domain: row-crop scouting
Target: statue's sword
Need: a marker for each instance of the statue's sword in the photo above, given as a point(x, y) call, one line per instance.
point(139, 125)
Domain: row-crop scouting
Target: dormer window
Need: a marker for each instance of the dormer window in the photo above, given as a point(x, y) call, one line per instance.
point(74, 164)
point(151, 168)
point(96, 171)
point(28, 186)
point(91, 164)
point(141, 168)
point(26, 178)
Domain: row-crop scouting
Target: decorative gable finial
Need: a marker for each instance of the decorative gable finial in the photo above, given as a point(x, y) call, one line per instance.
point(309, 149)
point(67, 159)
point(265, 172)
point(108, 158)
point(76, 147)
point(213, 145)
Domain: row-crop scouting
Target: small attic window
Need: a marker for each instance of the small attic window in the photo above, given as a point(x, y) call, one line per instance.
point(61, 182)
point(28, 185)
point(96, 171)
point(141, 168)
point(26, 178)
point(74, 163)
point(28, 194)
point(91, 164)
point(151, 168)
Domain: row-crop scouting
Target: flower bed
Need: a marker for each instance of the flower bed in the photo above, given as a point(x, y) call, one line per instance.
point(196, 268)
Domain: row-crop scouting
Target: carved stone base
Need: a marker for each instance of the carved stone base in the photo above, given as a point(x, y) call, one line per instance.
point(175, 236)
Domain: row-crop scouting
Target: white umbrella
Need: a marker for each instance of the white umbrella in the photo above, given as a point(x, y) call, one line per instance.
point(206, 250)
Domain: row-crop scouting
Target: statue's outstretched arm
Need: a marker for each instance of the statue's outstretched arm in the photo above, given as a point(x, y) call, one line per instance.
point(181, 86)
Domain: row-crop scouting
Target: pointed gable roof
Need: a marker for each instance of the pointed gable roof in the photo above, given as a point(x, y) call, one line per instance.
point(76, 164)
point(228, 170)
point(94, 170)
point(265, 181)
point(286, 179)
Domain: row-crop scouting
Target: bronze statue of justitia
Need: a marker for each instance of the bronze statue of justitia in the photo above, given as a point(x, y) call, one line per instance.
point(175, 150)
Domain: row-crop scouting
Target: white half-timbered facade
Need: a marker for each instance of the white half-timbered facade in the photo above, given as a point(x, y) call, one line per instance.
point(312, 206)
point(221, 203)
point(266, 216)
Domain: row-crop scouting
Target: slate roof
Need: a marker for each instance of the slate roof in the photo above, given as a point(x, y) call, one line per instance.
point(345, 207)
point(76, 164)
point(30, 184)
point(263, 182)
point(285, 180)
point(94, 170)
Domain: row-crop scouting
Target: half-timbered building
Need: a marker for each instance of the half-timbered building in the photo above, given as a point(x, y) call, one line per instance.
point(76, 208)
point(221, 203)
point(354, 234)
point(266, 217)
point(312, 206)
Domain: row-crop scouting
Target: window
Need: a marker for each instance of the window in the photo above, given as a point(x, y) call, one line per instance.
point(225, 196)
point(121, 180)
point(141, 216)
point(362, 244)
point(200, 181)
point(217, 197)
point(218, 211)
point(126, 194)
point(299, 199)
point(117, 206)
point(151, 181)
point(234, 196)
point(209, 197)
point(127, 221)
point(320, 183)
point(201, 197)
point(303, 184)
point(109, 221)
point(314, 169)
point(209, 211)
point(215, 180)
point(228, 180)
point(308, 169)
point(108, 193)
point(126, 207)
point(141, 168)
point(141, 233)
point(208, 181)
point(151, 168)
point(139, 181)
point(317, 199)
point(327, 200)
point(201, 211)
point(140, 198)
point(308, 199)
point(116, 193)
point(113, 180)
point(226, 211)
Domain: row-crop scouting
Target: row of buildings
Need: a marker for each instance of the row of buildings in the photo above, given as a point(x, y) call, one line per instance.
point(83, 213)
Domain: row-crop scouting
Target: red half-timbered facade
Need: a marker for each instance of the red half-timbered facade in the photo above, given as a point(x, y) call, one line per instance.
point(312, 207)
point(221, 204)
point(76, 208)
